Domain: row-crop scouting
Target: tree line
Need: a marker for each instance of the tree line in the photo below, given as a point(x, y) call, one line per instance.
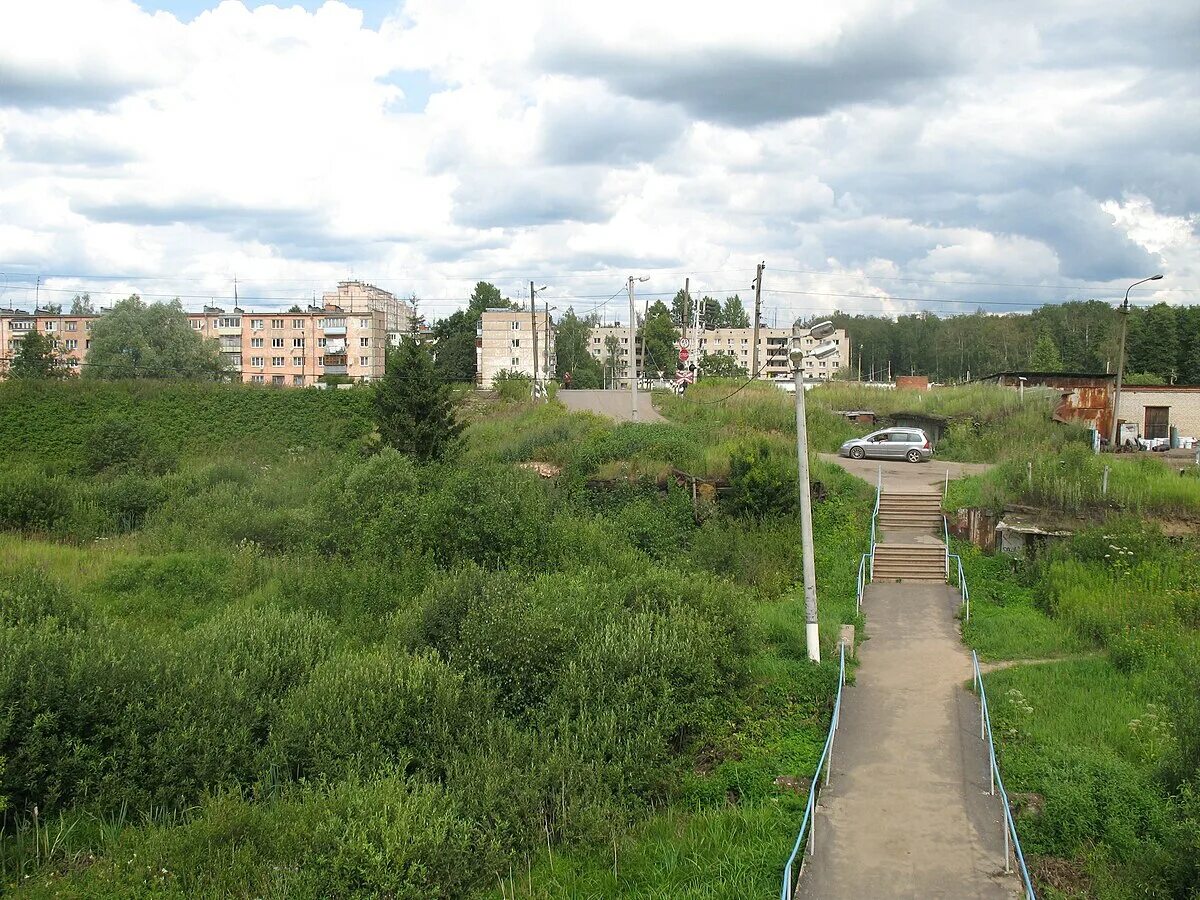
point(1162, 346)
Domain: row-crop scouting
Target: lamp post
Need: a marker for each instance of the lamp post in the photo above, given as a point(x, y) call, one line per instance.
point(633, 410)
point(819, 331)
point(533, 292)
point(1124, 310)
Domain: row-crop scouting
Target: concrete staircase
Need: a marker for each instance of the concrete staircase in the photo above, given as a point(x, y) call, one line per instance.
point(920, 563)
point(915, 510)
point(911, 549)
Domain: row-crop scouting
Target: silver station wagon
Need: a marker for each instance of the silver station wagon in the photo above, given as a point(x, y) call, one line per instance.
point(891, 443)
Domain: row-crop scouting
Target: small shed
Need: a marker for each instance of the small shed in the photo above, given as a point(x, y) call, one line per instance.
point(1084, 397)
point(858, 416)
point(933, 426)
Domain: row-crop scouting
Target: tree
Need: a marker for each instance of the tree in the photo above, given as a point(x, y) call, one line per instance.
point(612, 358)
point(35, 357)
point(454, 336)
point(718, 365)
point(658, 340)
point(81, 305)
point(139, 340)
point(52, 309)
point(681, 309)
point(572, 342)
point(1144, 378)
point(710, 313)
point(295, 308)
point(1045, 356)
point(733, 314)
point(414, 409)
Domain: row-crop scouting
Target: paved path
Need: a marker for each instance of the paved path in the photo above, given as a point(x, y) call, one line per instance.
point(614, 404)
point(899, 475)
point(907, 813)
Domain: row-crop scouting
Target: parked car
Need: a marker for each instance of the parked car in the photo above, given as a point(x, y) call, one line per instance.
point(891, 443)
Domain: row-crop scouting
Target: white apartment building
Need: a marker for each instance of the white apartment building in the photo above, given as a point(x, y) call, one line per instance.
point(615, 361)
point(774, 349)
point(504, 342)
point(360, 297)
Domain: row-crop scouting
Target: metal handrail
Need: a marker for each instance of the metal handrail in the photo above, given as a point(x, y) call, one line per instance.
point(1010, 829)
point(946, 542)
point(874, 516)
point(808, 823)
point(863, 578)
point(962, 587)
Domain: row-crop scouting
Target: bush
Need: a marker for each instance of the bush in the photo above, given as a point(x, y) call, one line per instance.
point(122, 445)
point(761, 484)
point(30, 500)
point(361, 712)
point(512, 386)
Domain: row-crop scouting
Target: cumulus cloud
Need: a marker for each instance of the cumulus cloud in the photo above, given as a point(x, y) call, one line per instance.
point(911, 155)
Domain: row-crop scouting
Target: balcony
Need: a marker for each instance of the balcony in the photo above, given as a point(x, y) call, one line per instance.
point(334, 364)
point(335, 327)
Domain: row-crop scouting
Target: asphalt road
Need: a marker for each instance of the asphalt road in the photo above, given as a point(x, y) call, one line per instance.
point(898, 474)
point(614, 404)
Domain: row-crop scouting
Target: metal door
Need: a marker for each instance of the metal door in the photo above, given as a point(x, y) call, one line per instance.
point(1158, 419)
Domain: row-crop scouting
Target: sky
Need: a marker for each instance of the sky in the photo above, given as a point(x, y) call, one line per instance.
point(880, 157)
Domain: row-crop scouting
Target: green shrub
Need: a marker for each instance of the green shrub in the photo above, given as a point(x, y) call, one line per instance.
point(360, 712)
point(31, 500)
point(119, 445)
point(761, 484)
point(513, 386)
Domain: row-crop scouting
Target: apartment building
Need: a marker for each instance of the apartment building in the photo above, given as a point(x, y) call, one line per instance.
point(359, 297)
point(609, 345)
point(70, 335)
point(774, 349)
point(297, 348)
point(504, 342)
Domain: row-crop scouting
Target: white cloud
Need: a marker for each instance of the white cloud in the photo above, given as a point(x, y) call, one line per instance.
point(275, 144)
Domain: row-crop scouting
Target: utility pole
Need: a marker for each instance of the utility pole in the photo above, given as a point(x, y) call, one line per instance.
point(687, 307)
point(757, 312)
point(1124, 310)
point(811, 631)
point(860, 349)
point(633, 409)
point(546, 349)
point(533, 327)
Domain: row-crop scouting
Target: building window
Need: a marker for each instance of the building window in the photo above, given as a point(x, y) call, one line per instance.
point(235, 359)
point(50, 326)
point(595, 340)
point(277, 361)
point(298, 342)
point(297, 323)
point(364, 323)
point(321, 342)
point(87, 326)
point(516, 360)
point(256, 324)
point(297, 360)
point(72, 344)
point(256, 342)
point(364, 342)
point(256, 379)
point(364, 360)
point(277, 379)
point(516, 326)
point(197, 324)
point(516, 342)
point(71, 326)
point(229, 322)
point(277, 342)
point(298, 380)
point(257, 361)
point(21, 326)
point(277, 323)
point(87, 345)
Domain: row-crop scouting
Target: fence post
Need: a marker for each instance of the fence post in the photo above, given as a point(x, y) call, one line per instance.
point(1104, 483)
point(1029, 470)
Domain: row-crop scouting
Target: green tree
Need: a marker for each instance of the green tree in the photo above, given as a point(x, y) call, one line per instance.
point(1144, 378)
point(718, 365)
point(454, 336)
point(733, 314)
point(710, 313)
point(612, 356)
point(81, 305)
point(414, 408)
point(572, 349)
point(658, 340)
point(1045, 356)
point(140, 340)
point(35, 357)
point(682, 309)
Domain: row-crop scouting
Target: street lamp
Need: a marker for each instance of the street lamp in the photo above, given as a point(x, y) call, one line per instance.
point(1124, 310)
point(819, 332)
point(633, 410)
point(533, 292)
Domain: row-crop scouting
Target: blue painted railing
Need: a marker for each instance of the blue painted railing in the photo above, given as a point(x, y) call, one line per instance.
point(1010, 824)
point(810, 810)
point(963, 590)
point(875, 515)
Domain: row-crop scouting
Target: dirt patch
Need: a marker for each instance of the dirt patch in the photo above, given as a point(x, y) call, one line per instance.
point(1064, 875)
point(545, 469)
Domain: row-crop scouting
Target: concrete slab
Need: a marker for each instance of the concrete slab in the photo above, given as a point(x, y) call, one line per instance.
point(899, 475)
point(907, 813)
point(614, 404)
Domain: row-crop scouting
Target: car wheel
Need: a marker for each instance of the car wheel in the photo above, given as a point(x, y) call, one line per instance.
point(914, 455)
point(857, 452)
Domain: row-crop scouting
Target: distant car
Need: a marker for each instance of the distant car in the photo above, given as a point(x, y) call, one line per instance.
point(891, 443)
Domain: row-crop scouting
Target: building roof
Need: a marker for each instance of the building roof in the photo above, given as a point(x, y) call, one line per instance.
point(1023, 374)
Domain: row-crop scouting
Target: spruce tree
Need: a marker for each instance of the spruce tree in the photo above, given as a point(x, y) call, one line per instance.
point(1045, 356)
point(414, 408)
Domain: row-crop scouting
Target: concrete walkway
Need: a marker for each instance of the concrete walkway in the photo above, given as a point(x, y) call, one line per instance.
point(614, 404)
point(907, 813)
